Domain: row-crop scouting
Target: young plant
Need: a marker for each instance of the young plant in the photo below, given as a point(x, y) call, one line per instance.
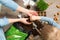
point(42, 5)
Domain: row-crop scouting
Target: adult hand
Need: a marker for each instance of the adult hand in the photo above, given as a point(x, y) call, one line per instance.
point(26, 11)
point(31, 13)
point(24, 20)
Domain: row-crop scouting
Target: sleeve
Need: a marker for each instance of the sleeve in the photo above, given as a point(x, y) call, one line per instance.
point(2, 36)
point(10, 4)
point(50, 21)
point(4, 21)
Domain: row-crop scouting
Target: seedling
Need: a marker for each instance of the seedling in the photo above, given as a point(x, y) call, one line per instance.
point(42, 5)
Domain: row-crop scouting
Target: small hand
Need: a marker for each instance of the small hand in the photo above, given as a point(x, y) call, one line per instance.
point(24, 20)
point(31, 13)
point(33, 18)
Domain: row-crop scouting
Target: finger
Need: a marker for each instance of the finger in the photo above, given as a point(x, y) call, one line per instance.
point(34, 13)
point(29, 14)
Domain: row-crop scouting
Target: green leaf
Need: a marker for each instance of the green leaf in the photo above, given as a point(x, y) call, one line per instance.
point(42, 5)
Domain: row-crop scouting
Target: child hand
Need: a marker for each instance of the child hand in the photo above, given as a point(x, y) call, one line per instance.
point(24, 20)
point(33, 18)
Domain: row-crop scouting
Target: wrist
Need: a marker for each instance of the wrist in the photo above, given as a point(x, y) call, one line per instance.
point(21, 9)
point(25, 10)
point(38, 17)
point(13, 20)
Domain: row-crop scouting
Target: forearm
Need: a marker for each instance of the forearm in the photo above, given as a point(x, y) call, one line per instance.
point(21, 9)
point(50, 21)
point(10, 4)
point(13, 20)
point(5, 21)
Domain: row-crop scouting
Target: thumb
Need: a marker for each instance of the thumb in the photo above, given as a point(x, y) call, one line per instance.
point(27, 22)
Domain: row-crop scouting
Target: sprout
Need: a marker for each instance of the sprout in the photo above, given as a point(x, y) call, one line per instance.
point(42, 5)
